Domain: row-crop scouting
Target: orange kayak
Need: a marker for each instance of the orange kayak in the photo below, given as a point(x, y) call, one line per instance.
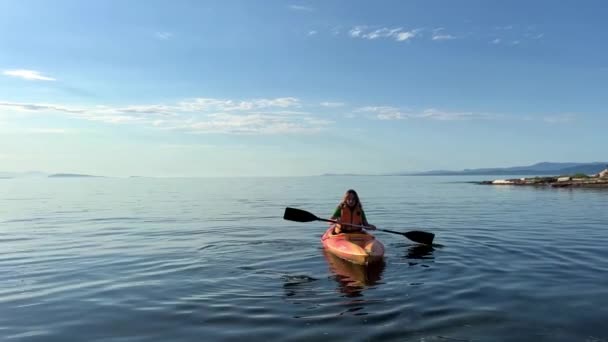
point(359, 248)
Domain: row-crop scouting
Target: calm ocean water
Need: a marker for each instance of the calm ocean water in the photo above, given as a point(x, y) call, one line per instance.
point(212, 260)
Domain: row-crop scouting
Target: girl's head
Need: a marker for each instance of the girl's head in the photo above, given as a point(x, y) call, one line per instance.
point(351, 198)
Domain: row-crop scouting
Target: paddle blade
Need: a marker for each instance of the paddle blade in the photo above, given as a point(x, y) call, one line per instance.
point(415, 235)
point(420, 237)
point(299, 215)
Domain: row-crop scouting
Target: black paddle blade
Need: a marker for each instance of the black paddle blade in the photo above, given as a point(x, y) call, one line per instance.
point(415, 235)
point(298, 215)
point(420, 237)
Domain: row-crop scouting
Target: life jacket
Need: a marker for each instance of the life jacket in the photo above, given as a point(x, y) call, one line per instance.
point(353, 216)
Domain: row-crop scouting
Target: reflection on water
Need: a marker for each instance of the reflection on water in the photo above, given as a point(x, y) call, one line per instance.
point(121, 259)
point(311, 296)
point(420, 252)
point(352, 278)
point(297, 284)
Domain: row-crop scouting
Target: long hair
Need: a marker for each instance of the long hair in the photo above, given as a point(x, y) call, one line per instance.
point(357, 201)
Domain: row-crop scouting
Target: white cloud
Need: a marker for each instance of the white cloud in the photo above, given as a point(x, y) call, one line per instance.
point(402, 36)
point(397, 33)
point(443, 37)
point(496, 41)
point(356, 31)
point(312, 32)
point(31, 75)
point(202, 115)
point(383, 112)
point(164, 35)
point(301, 8)
point(332, 104)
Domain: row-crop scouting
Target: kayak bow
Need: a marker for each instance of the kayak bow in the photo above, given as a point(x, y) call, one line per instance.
point(359, 248)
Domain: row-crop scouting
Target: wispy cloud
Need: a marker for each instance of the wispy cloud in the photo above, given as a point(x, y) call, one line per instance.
point(559, 119)
point(199, 115)
point(312, 32)
point(301, 8)
point(332, 104)
point(30, 75)
point(163, 35)
point(397, 34)
point(393, 113)
point(254, 124)
point(515, 35)
point(204, 104)
point(39, 107)
point(443, 37)
point(389, 113)
point(439, 34)
point(534, 35)
point(507, 35)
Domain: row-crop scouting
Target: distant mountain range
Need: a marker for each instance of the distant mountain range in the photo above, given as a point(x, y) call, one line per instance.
point(544, 168)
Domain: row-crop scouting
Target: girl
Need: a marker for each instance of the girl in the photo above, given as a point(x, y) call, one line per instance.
point(350, 211)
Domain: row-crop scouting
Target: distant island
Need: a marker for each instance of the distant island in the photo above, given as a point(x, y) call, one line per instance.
point(543, 168)
point(69, 175)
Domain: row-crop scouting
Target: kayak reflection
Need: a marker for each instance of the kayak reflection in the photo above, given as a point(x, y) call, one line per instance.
point(353, 278)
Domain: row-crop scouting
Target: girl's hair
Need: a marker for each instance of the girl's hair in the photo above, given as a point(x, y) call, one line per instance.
point(351, 191)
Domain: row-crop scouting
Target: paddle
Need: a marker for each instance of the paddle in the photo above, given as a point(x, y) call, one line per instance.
point(299, 215)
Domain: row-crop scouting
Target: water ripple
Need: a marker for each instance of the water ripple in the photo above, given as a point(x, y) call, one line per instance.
point(178, 260)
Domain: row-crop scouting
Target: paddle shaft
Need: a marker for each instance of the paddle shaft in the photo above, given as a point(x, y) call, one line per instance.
point(300, 215)
point(341, 223)
point(364, 227)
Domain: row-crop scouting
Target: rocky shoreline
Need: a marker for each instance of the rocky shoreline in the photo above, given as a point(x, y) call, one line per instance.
point(599, 180)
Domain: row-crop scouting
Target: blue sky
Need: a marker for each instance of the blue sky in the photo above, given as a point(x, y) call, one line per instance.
point(281, 88)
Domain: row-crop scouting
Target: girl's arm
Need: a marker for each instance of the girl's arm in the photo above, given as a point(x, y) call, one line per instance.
point(364, 218)
point(337, 213)
point(365, 223)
